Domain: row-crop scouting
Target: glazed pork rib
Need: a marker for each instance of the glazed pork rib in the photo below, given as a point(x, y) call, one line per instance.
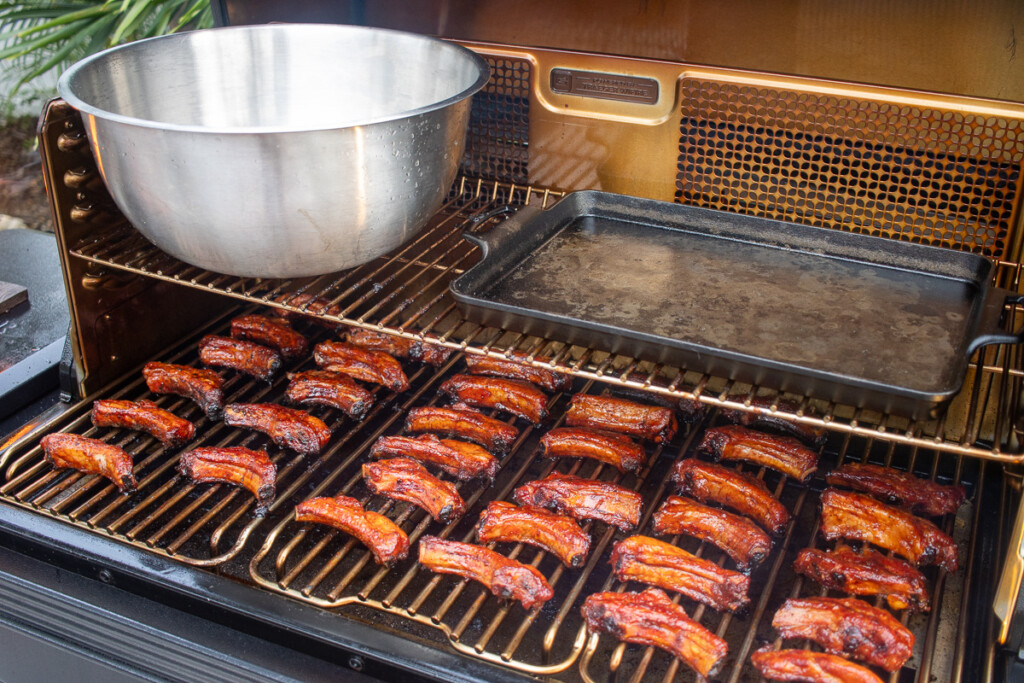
point(781, 453)
point(399, 347)
point(654, 423)
point(514, 396)
point(516, 368)
point(849, 515)
point(331, 389)
point(252, 470)
point(172, 431)
point(582, 498)
point(735, 490)
point(811, 436)
point(460, 459)
point(660, 564)
point(868, 572)
point(899, 488)
point(384, 538)
point(274, 333)
point(71, 451)
point(286, 427)
point(848, 627)
point(503, 577)
point(617, 450)
point(737, 536)
point(405, 479)
point(204, 387)
point(807, 665)
point(557, 534)
point(463, 423)
point(375, 367)
point(650, 618)
point(242, 356)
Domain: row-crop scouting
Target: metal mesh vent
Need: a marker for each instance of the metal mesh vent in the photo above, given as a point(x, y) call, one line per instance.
point(497, 145)
point(932, 176)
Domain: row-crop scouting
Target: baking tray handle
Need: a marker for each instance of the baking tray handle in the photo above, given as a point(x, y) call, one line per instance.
point(990, 325)
point(498, 235)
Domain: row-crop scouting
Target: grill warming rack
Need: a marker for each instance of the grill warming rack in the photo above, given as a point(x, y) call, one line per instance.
point(208, 525)
point(406, 294)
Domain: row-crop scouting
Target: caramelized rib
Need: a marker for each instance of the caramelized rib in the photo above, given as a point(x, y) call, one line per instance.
point(146, 416)
point(514, 368)
point(845, 514)
point(809, 666)
point(583, 499)
point(868, 572)
point(286, 427)
point(557, 534)
point(660, 564)
point(376, 367)
point(242, 356)
point(460, 459)
point(900, 488)
point(782, 453)
point(735, 490)
point(471, 425)
point(504, 577)
point(655, 423)
point(384, 538)
point(617, 450)
point(737, 536)
point(407, 480)
point(514, 396)
point(400, 347)
point(205, 387)
point(71, 451)
point(811, 436)
point(331, 389)
point(252, 470)
point(848, 627)
point(650, 618)
point(274, 333)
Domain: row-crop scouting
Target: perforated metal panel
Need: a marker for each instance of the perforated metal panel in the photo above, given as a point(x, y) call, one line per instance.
point(497, 145)
point(933, 176)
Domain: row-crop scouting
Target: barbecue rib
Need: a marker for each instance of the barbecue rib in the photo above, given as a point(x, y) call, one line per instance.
point(868, 572)
point(242, 356)
point(514, 396)
point(737, 536)
point(845, 514)
point(277, 335)
point(400, 347)
point(332, 389)
point(252, 470)
point(660, 564)
point(741, 492)
point(782, 453)
point(654, 423)
point(583, 499)
point(376, 367)
point(650, 618)
point(384, 538)
point(617, 450)
point(504, 577)
point(205, 387)
point(900, 488)
point(71, 451)
point(407, 480)
point(848, 627)
point(286, 427)
point(557, 534)
point(810, 666)
point(172, 431)
point(460, 459)
point(813, 437)
point(471, 425)
point(516, 368)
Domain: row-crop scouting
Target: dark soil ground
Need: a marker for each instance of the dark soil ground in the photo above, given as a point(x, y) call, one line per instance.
point(21, 179)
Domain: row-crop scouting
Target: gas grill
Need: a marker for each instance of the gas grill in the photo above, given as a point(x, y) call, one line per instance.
point(936, 169)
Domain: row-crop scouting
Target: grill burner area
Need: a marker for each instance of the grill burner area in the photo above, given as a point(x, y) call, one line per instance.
point(212, 526)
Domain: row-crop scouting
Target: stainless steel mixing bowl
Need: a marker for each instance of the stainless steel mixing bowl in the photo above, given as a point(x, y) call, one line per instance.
point(282, 150)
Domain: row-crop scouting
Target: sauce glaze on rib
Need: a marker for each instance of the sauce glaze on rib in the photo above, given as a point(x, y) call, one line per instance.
point(463, 423)
point(384, 538)
point(242, 356)
point(71, 451)
point(781, 453)
point(204, 387)
point(274, 333)
point(286, 427)
point(460, 459)
point(807, 665)
point(405, 479)
point(737, 536)
point(557, 534)
point(617, 450)
point(252, 470)
point(654, 423)
point(514, 396)
point(375, 367)
point(331, 389)
point(868, 572)
point(172, 431)
point(582, 498)
point(899, 488)
point(735, 490)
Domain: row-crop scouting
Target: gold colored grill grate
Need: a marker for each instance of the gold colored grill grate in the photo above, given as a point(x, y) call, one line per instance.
point(407, 294)
point(840, 162)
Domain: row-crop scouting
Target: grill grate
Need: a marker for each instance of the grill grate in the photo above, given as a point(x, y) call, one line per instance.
point(406, 294)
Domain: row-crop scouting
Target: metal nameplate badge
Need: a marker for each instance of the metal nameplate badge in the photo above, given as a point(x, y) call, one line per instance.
point(605, 86)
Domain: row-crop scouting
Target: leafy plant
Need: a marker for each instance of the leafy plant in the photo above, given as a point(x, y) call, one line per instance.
point(38, 36)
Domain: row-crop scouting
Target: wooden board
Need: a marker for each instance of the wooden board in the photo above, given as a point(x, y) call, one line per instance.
point(11, 295)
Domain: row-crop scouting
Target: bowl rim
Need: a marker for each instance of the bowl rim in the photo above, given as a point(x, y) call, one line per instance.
point(65, 91)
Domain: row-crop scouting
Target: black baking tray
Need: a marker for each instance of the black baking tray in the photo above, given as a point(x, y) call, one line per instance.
point(860, 320)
